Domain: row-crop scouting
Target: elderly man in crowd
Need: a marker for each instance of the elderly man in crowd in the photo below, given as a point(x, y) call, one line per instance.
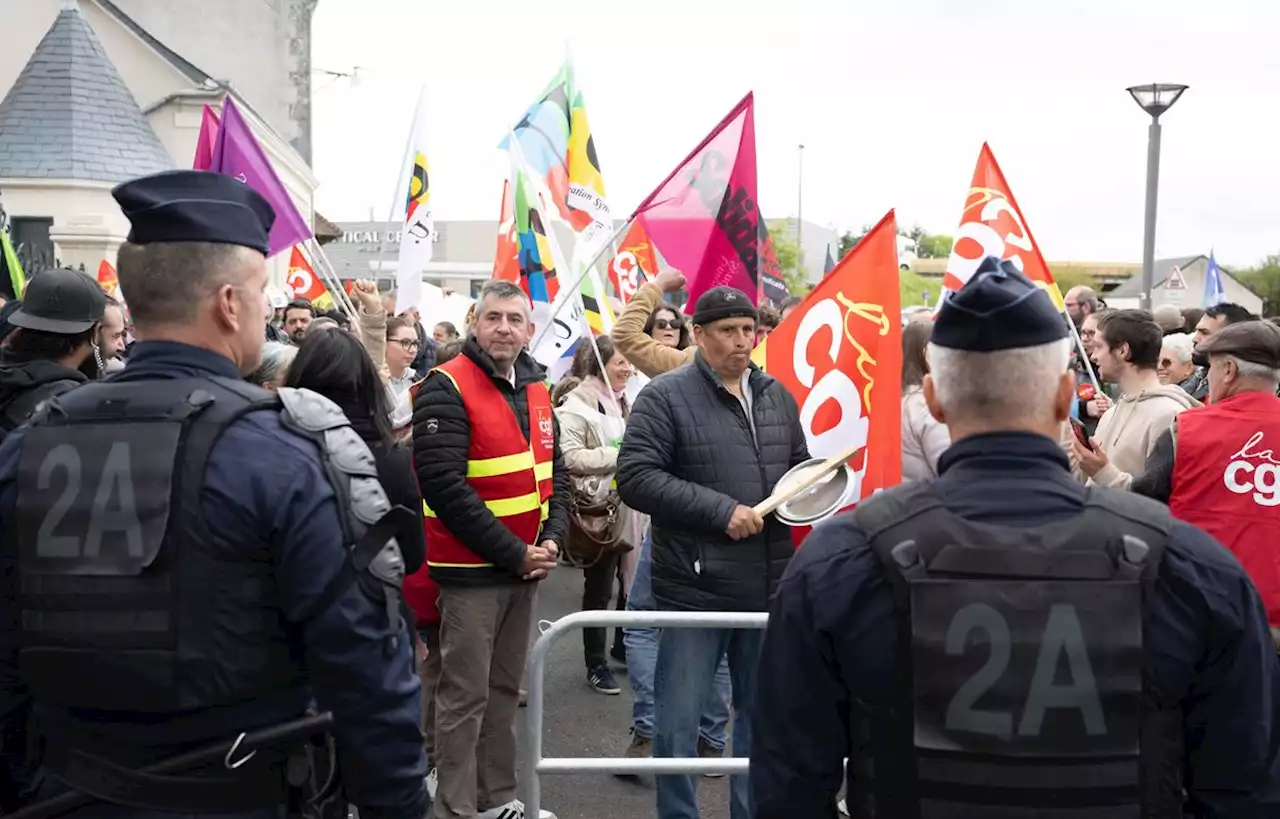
point(1216, 466)
point(704, 443)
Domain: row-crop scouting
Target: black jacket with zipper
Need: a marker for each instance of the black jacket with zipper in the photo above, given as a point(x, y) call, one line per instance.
point(688, 460)
point(441, 438)
point(26, 385)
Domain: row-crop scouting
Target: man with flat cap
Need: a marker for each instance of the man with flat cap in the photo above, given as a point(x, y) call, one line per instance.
point(191, 564)
point(704, 443)
point(1002, 641)
point(1217, 466)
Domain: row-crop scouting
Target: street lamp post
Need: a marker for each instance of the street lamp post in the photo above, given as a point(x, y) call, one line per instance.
point(1155, 99)
point(800, 211)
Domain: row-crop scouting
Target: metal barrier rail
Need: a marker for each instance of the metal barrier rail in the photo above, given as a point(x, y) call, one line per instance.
point(616, 765)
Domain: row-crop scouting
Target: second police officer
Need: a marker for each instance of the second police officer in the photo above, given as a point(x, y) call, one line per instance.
point(1005, 642)
point(190, 561)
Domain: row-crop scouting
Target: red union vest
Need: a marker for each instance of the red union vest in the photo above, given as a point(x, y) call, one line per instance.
point(1226, 480)
point(508, 467)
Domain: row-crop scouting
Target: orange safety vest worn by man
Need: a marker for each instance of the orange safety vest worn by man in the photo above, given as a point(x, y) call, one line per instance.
point(495, 502)
point(1219, 467)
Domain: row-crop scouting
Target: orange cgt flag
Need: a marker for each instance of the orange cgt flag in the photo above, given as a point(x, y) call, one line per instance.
point(305, 284)
point(840, 355)
point(992, 225)
point(633, 264)
point(107, 279)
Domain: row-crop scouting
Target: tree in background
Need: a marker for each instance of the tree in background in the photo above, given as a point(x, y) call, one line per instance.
point(788, 252)
point(1263, 279)
point(928, 245)
point(850, 238)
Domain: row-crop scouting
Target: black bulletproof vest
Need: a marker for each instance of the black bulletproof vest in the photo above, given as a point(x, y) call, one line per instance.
point(128, 602)
point(1024, 684)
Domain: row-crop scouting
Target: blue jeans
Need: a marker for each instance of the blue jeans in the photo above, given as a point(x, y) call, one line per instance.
point(687, 663)
point(642, 657)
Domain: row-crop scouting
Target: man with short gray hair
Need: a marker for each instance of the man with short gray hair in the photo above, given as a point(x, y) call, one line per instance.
point(1005, 636)
point(496, 503)
point(1216, 467)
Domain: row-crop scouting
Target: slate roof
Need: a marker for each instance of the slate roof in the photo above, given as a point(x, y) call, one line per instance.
point(1161, 271)
point(70, 116)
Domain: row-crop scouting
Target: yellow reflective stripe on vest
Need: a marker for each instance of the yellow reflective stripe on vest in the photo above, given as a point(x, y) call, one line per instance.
point(506, 507)
point(541, 472)
point(502, 465)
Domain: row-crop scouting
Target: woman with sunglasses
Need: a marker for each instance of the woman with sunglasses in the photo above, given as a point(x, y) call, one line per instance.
point(652, 334)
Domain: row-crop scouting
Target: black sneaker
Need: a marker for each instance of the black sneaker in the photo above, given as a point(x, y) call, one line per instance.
point(601, 679)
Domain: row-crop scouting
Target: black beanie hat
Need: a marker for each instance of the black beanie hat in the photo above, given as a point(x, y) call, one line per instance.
point(722, 303)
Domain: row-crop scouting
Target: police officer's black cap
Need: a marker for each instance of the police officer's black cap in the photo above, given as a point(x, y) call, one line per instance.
point(66, 302)
point(195, 206)
point(723, 303)
point(1255, 341)
point(999, 308)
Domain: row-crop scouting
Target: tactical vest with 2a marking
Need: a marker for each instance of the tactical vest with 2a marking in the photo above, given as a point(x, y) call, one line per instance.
point(1024, 684)
point(121, 576)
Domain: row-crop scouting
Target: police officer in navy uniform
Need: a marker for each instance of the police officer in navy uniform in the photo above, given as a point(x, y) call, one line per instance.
point(189, 561)
point(1004, 642)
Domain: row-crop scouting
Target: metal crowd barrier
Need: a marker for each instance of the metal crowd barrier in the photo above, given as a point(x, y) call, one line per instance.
point(616, 765)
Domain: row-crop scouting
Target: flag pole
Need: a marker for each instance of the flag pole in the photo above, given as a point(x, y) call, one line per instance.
point(324, 269)
point(395, 194)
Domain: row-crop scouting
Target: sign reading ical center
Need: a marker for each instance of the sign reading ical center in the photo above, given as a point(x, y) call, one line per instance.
point(374, 241)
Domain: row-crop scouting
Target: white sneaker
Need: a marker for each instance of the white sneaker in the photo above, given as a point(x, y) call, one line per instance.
point(433, 780)
point(512, 810)
point(842, 807)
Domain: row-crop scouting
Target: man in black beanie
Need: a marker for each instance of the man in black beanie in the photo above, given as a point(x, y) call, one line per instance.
point(1002, 640)
point(705, 443)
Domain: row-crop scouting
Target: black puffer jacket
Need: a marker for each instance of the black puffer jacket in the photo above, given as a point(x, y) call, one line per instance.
point(24, 386)
point(440, 458)
point(688, 460)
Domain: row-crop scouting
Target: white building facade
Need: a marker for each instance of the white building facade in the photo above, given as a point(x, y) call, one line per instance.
point(96, 92)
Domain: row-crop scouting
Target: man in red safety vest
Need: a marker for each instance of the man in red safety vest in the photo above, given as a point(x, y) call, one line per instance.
point(1219, 465)
point(496, 508)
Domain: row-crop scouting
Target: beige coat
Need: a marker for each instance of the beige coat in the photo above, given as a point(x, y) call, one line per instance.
point(653, 358)
point(923, 438)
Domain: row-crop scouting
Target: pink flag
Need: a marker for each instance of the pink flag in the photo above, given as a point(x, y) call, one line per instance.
point(204, 143)
point(237, 153)
point(703, 217)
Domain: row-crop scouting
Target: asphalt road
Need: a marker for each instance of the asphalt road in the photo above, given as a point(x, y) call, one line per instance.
point(580, 722)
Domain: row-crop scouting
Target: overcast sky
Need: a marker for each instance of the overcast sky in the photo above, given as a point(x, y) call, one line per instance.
point(891, 98)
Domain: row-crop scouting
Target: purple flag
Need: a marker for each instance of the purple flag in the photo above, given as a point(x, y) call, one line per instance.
point(237, 153)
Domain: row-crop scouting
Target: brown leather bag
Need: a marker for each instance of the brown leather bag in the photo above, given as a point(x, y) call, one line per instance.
point(595, 526)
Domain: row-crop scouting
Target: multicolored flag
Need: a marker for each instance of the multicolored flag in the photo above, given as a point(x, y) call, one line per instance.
point(303, 282)
point(840, 355)
point(703, 217)
point(555, 138)
point(992, 225)
point(1214, 293)
point(209, 124)
point(237, 153)
point(418, 236)
point(13, 282)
